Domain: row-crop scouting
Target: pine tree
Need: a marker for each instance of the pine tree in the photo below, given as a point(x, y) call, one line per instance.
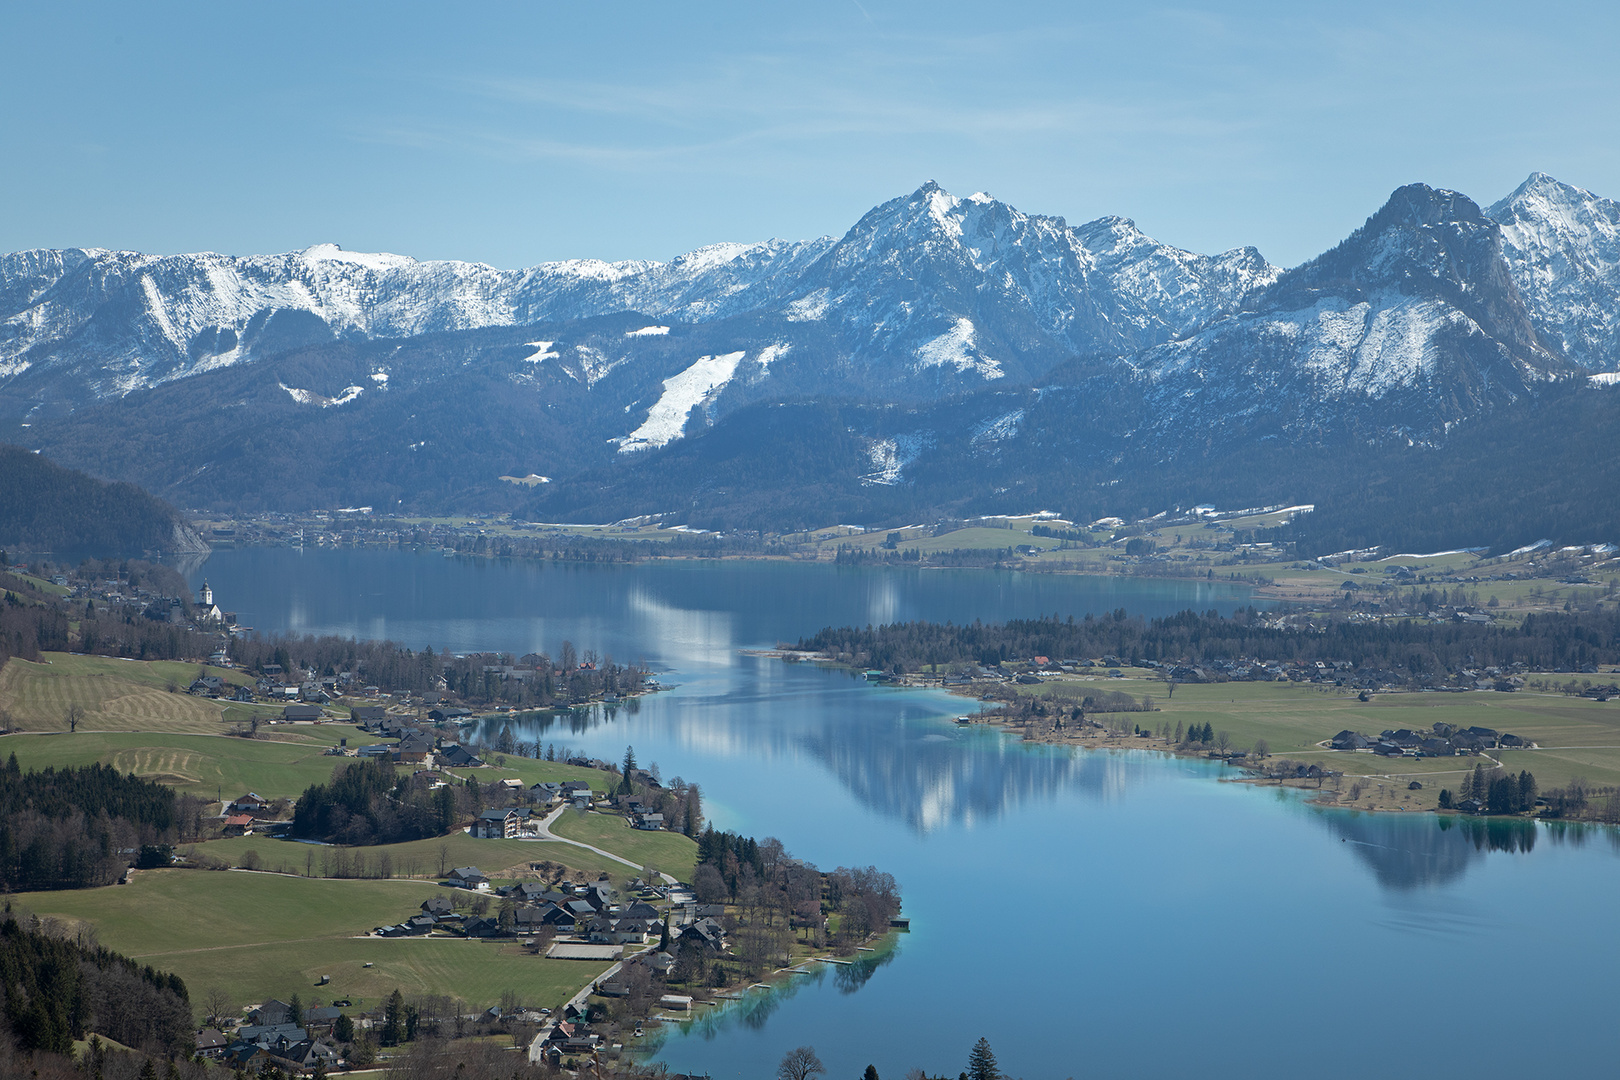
point(625, 785)
point(870, 1074)
point(982, 1063)
point(1527, 791)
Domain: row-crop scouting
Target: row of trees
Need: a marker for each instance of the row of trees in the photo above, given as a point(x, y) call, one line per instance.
point(1562, 639)
point(1500, 793)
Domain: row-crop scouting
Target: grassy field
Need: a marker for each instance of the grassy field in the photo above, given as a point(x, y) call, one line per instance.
point(532, 771)
point(1575, 737)
point(500, 859)
point(116, 695)
point(671, 853)
point(262, 935)
point(204, 765)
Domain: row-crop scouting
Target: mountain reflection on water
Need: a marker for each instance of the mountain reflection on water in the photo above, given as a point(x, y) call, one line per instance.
point(906, 765)
point(1108, 913)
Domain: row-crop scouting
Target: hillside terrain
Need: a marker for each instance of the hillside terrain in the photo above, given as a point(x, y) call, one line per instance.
point(45, 507)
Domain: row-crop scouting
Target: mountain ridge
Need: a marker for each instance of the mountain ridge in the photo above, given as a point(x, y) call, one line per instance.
point(964, 346)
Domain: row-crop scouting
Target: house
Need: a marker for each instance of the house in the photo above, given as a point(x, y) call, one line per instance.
point(438, 907)
point(496, 824)
point(560, 917)
point(207, 685)
point(321, 1017)
point(366, 715)
point(545, 793)
point(1350, 740)
point(211, 1044)
point(440, 715)
point(308, 1055)
point(301, 712)
point(457, 756)
point(272, 1013)
point(1387, 749)
point(468, 877)
point(705, 932)
point(414, 749)
point(239, 825)
point(251, 803)
point(649, 822)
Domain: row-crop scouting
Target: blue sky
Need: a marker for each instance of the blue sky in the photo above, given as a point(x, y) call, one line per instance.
point(514, 134)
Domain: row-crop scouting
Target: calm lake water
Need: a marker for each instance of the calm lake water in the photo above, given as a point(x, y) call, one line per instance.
point(1113, 914)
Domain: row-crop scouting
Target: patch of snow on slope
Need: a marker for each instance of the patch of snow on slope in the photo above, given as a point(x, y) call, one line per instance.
point(997, 429)
point(378, 261)
point(380, 378)
point(956, 347)
point(889, 457)
point(542, 351)
point(772, 353)
point(941, 207)
point(309, 397)
point(1604, 378)
point(811, 307)
point(648, 331)
point(160, 311)
point(682, 393)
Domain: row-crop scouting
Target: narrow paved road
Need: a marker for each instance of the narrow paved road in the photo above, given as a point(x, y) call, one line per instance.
point(544, 833)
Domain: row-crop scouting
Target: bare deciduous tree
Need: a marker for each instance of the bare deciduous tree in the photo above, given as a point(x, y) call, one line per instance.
point(800, 1063)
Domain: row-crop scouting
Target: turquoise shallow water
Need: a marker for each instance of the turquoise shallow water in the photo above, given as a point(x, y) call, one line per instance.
point(1091, 913)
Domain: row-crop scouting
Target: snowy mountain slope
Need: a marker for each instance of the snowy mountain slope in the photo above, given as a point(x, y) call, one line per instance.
point(927, 294)
point(1562, 246)
point(976, 290)
point(83, 324)
point(1412, 323)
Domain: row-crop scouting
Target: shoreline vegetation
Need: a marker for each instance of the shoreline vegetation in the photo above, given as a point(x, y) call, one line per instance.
point(1399, 716)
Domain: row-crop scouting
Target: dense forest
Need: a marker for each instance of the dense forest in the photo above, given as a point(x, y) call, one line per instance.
point(73, 828)
point(45, 507)
point(366, 802)
point(1548, 641)
point(57, 990)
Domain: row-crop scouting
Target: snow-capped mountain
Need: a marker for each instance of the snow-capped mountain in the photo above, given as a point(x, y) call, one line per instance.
point(940, 338)
point(927, 294)
point(972, 287)
point(1409, 325)
point(86, 324)
point(1562, 246)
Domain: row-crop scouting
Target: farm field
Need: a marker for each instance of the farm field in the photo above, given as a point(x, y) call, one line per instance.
point(670, 852)
point(1575, 737)
point(500, 859)
point(263, 935)
point(115, 695)
point(204, 765)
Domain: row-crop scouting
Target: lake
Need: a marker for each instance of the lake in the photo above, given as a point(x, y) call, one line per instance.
point(1089, 912)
